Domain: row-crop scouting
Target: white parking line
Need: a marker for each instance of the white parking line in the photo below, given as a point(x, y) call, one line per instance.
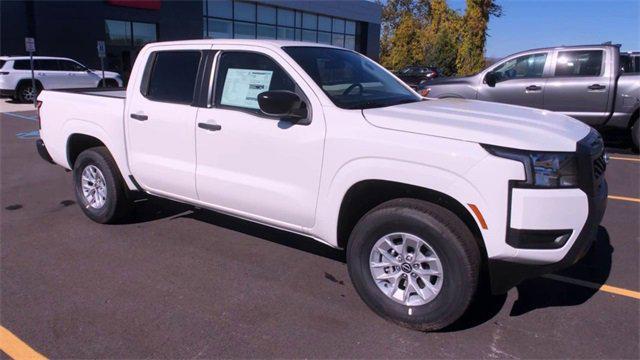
point(30, 118)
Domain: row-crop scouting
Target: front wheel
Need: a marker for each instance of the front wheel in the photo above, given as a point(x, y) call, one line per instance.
point(414, 263)
point(99, 187)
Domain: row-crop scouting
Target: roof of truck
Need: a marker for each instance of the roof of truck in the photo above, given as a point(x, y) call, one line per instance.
point(254, 42)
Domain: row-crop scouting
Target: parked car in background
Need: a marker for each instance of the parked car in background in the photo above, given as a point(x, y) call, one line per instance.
point(426, 196)
point(50, 73)
point(585, 82)
point(415, 75)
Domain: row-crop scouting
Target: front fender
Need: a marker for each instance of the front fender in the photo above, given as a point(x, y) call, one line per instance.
point(363, 169)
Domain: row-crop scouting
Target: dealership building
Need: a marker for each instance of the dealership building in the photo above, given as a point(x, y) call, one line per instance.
point(72, 28)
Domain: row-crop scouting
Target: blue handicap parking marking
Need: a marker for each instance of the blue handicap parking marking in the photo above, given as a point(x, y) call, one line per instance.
point(28, 134)
point(21, 116)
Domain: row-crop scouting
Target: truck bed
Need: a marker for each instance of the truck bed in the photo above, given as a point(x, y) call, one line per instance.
point(97, 113)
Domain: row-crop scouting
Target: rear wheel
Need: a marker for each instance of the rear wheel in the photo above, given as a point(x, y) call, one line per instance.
point(414, 263)
point(99, 187)
point(26, 92)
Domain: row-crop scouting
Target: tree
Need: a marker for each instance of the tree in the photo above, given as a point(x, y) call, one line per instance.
point(470, 57)
point(407, 44)
point(442, 37)
point(395, 12)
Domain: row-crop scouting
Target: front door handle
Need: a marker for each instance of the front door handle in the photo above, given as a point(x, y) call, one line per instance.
point(597, 87)
point(210, 127)
point(533, 88)
point(139, 117)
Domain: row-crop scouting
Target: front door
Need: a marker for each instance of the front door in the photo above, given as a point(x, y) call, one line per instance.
point(519, 81)
point(160, 121)
point(251, 164)
point(78, 76)
point(579, 87)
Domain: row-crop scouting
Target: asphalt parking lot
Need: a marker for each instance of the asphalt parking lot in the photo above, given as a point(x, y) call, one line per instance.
point(178, 282)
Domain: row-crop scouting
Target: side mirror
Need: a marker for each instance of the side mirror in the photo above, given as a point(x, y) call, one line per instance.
point(490, 79)
point(282, 104)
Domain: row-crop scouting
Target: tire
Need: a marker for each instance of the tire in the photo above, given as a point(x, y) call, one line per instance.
point(635, 135)
point(114, 205)
point(25, 92)
point(445, 234)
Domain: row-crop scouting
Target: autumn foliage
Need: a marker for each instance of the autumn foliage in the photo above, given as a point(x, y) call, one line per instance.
point(429, 32)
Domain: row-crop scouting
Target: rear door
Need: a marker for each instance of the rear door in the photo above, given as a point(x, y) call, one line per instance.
point(580, 85)
point(49, 73)
point(519, 81)
point(160, 120)
point(78, 75)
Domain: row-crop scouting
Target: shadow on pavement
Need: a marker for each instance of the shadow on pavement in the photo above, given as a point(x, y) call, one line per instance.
point(281, 237)
point(533, 294)
point(541, 293)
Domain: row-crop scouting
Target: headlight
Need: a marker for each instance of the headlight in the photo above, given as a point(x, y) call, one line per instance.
point(543, 169)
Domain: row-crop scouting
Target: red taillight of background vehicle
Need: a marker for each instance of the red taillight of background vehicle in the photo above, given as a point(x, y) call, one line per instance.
point(38, 106)
point(425, 92)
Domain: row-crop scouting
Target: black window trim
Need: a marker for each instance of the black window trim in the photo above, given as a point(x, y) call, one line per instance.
point(150, 66)
point(555, 64)
point(257, 112)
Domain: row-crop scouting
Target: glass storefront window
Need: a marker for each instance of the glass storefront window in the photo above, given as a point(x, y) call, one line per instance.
point(143, 33)
point(309, 21)
point(266, 14)
point(220, 8)
point(266, 32)
point(286, 17)
point(324, 37)
point(243, 30)
point(286, 33)
point(338, 26)
point(220, 29)
point(251, 19)
point(118, 32)
point(324, 23)
point(338, 40)
point(308, 35)
point(351, 28)
point(244, 11)
point(350, 42)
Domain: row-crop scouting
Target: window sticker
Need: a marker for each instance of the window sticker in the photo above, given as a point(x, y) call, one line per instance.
point(242, 86)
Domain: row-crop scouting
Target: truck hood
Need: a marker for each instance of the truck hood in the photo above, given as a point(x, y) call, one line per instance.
point(483, 122)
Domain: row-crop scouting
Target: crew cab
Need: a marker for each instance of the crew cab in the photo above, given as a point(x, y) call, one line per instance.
point(424, 195)
point(586, 82)
point(49, 73)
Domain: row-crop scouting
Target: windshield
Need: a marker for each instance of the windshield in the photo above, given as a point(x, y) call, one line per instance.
point(351, 80)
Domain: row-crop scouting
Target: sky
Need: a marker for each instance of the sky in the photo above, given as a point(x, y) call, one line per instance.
point(528, 24)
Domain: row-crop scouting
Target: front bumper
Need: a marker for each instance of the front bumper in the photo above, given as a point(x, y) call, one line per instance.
point(568, 212)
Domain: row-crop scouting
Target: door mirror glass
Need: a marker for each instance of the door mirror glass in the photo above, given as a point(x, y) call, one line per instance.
point(282, 103)
point(490, 79)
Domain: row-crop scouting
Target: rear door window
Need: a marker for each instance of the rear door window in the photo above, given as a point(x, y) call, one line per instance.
point(173, 76)
point(579, 63)
point(46, 65)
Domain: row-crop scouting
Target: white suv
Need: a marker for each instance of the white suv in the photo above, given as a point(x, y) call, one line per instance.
point(50, 73)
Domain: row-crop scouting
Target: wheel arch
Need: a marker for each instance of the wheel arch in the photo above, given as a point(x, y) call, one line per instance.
point(77, 143)
point(365, 195)
point(28, 81)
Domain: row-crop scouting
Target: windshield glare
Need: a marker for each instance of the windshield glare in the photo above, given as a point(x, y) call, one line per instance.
point(351, 80)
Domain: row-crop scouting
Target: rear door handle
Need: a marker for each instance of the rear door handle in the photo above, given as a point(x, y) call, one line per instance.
point(210, 127)
point(139, 117)
point(533, 88)
point(597, 87)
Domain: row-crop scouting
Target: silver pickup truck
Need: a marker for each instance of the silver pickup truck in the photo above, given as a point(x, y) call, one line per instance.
point(585, 82)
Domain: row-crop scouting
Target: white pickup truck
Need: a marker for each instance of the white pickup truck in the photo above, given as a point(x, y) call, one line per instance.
point(425, 195)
